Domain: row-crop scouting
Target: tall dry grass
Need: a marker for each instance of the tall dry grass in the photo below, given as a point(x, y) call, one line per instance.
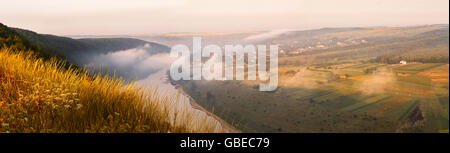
point(43, 96)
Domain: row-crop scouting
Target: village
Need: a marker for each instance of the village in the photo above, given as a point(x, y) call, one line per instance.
point(292, 48)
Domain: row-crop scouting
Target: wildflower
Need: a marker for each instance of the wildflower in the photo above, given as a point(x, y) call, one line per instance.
point(5, 124)
point(66, 106)
point(79, 106)
point(110, 117)
point(58, 99)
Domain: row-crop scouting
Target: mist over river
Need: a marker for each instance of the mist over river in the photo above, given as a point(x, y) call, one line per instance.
point(149, 71)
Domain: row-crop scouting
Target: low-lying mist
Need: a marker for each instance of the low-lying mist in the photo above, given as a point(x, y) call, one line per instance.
point(132, 64)
point(377, 83)
point(266, 35)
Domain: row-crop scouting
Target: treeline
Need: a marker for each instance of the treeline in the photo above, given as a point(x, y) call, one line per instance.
point(66, 49)
point(12, 40)
point(389, 59)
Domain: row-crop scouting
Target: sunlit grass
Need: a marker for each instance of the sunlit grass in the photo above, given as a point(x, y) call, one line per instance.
point(43, 96)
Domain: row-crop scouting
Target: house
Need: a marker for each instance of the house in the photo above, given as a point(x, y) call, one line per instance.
point(320, 46)
point(341, 44)
point(403, 62)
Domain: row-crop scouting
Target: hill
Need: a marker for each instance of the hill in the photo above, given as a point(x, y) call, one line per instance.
point(41, 92)
point(42, 96)
point(419, 43)
point(68, 48)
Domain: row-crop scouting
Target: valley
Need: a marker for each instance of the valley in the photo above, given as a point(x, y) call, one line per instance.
point(340, 80)
point(361, 87)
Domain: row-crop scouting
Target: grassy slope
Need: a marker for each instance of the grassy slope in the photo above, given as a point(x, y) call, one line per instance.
point(39, 92)
point(39, 95)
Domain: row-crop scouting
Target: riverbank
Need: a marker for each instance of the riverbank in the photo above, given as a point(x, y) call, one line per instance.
point(185, 101)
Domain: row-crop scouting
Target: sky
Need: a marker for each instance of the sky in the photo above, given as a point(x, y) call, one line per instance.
point(131, 17)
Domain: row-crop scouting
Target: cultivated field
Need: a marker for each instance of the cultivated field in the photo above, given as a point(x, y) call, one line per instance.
point(358, 97)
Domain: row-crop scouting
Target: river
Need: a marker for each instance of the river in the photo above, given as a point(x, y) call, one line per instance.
point(150, 72)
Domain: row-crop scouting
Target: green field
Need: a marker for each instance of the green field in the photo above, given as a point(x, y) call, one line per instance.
point(360, 87)
point(332, 104)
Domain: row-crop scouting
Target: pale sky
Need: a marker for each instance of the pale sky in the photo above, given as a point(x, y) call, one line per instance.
point(116, 17)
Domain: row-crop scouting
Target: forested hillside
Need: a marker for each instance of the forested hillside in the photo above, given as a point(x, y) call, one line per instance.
point(68, 48)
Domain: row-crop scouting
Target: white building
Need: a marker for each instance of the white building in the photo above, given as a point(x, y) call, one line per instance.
point(403, 62)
